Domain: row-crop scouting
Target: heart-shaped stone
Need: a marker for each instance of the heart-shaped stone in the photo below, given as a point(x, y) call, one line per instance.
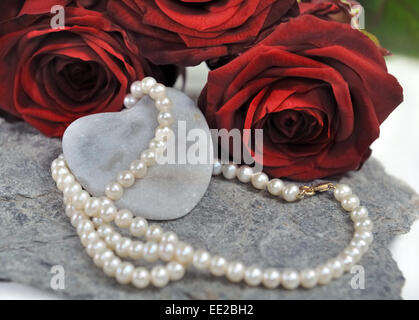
point(97, 147)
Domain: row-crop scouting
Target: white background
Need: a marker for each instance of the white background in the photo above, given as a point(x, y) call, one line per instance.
point(397, 149)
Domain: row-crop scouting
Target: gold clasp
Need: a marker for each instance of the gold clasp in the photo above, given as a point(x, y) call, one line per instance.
point(312, 190)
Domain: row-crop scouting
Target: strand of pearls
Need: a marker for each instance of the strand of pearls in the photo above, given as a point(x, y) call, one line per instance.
point(93, 218)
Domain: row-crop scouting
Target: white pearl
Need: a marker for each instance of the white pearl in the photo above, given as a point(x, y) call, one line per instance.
point(110, 266)
point(108, 239)
point(325, 274)
point(244, 174)
point(167, 250)
point(105, 201)
point(350, 202)
point(309, 278)
point(67, 200)
point(201, 259)
point(58, 163)
point(290, 279)
point(138, 227)
point(92, 207)
point(235, 271)
point(129, 101)
point(290, 192)
point(124, 272)
point(158, 145)
point(123, 218)
point(218, 266)
point(158, 91)
point(147, 83)
point(217, 167)
point(164, 133)
point(141, 278)
point(104, 230)
point(137, 90)
point(113, 239)
point(97, 221)
point(123, 246)
point(138, 168)
point(169, 237)
point(253, 276)
point(359, 213)
point(151, 251)
point(354, 252)
point(336, 266)
point(176, 270)
point(64, 180)
point(159, 276)
point(69, 210)
point(367, 236)
point(85, 226)
point(126, 178)
point(184, 253)
point(260, 180)
point(165, 118)
point(88, 237)
point(362, 245)
point(72, 189)
point(149, 157)
point(271, 278)
point(164, 104)
point(229, 171)
point(76, 218)
point(108, 212)
point(275, 187)
point(58, 172)
point(363, 225)
point(347, 261)
point(100, 258)
point(80, 200)
point(154, 233)
point(341, 191)
point(95, 247)
point(136, 249)
point(114, 191)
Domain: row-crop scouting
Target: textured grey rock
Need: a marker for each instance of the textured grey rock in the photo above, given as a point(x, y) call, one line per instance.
point(94, 152)
point(231, 219)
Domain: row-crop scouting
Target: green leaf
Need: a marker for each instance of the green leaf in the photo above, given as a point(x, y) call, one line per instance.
point(395, 23)
point(372, 37)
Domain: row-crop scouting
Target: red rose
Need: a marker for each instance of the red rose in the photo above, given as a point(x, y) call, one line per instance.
point(319, 90)
point(50, 77)
point(187, 32)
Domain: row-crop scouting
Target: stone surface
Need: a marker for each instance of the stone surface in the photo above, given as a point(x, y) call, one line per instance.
point(99, 146)
point(231, 219)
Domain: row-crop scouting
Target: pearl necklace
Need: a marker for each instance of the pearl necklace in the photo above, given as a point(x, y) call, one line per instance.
point(93, 216)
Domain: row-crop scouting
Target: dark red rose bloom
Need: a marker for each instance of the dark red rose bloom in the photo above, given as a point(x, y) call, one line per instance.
point(50, 77)
point(320, 91)
point(187, 32)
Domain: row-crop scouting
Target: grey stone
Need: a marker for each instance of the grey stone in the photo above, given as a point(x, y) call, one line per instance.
point(99, 146)
point(231, 219)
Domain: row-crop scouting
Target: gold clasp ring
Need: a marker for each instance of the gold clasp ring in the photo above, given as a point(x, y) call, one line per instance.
point(312, 190)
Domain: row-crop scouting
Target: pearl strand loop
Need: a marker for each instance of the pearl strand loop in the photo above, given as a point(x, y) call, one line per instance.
point(92, 217)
